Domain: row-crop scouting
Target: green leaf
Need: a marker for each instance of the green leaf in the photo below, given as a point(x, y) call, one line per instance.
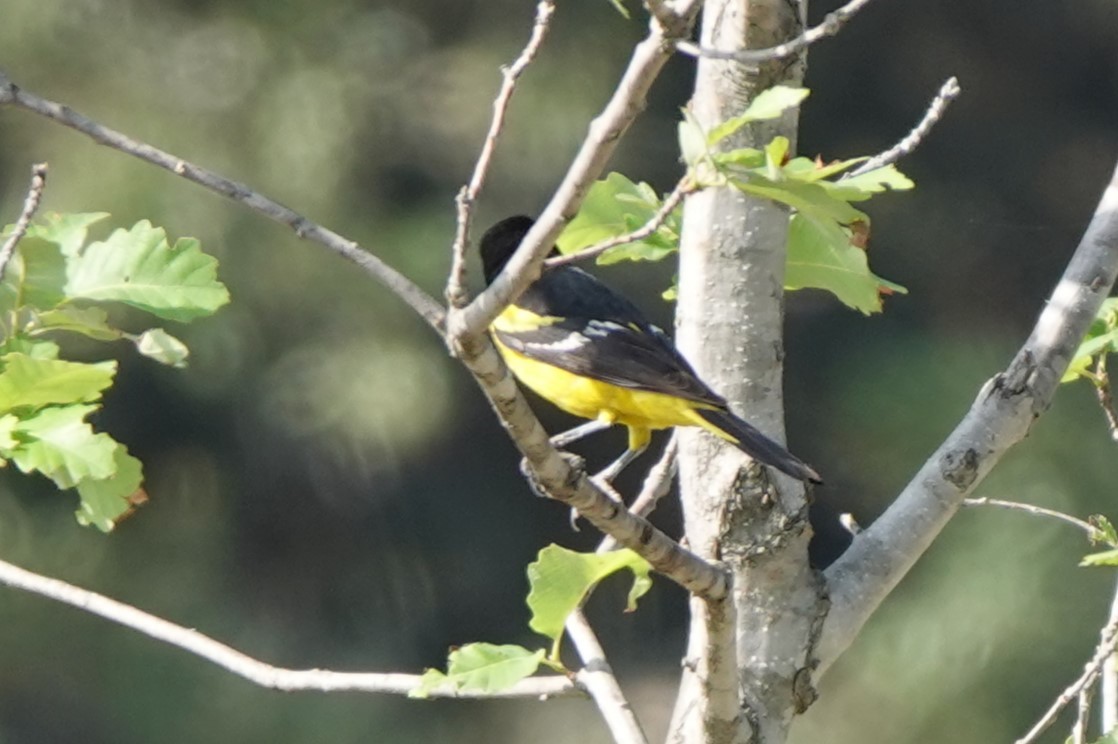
point(806, 169)
point(809, 198)
point(26, 382)
point(616, 206)
point(88, 321)
point(1105, 558)
point(482, 666)
point(692, 141)
point(768, 104)
point(161, 346)
point(104, 501)
point(1107, 533)
point(58, 443)
point(139, 268)
point(821, 255)
point(1078, 368)
point(865, 185)
point(1101, 338)
point(68, 231)
point(36, 276)
point(8, 442)
point(776, 152)
point(34, 348)
point(560, 578)
point(743, 157)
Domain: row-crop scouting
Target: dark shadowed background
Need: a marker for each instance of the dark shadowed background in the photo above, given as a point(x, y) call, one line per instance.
point(330, 490)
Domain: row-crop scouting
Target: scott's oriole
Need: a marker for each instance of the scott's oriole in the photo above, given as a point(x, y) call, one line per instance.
point(588, 350)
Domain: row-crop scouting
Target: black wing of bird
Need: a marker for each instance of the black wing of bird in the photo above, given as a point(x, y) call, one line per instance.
point(597, 333)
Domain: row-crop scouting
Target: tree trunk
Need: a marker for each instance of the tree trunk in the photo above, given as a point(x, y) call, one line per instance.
point(748, 665)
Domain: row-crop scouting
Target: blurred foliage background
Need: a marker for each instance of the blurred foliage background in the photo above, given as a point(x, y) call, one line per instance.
point(330, 490)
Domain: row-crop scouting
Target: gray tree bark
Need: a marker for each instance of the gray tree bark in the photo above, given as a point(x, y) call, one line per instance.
point(748, 665)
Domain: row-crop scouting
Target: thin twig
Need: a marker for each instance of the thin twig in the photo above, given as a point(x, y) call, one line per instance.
point(830, 26)
point(401, 286)
point(258, 672)
point(671, 201)
point(1108, 639)
point(1093, 533)
point(948, 92)
point(30, 205)
point(456, 283)
point(1106, 400)
point(598, 679)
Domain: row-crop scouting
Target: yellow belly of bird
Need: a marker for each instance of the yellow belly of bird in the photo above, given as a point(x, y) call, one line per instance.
point(640, 410)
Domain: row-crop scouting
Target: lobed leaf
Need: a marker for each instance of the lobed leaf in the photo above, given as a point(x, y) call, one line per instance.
point(27, 382)
point(139, 268)
point(822, 256)
point(58, 443)
point(35, 277)
point(104, 501)
point(560, 578)
point(68, 231)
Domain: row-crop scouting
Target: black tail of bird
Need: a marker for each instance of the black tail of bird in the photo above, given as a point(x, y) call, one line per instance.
point(755, 444)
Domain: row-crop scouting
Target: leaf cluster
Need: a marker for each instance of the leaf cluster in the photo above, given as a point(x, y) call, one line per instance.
point(56, 285)
point(828, 235)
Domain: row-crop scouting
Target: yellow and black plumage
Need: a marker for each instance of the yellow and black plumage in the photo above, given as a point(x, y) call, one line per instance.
point(588, 350)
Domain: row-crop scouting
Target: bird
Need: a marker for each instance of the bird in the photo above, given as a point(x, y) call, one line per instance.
point(587, 349)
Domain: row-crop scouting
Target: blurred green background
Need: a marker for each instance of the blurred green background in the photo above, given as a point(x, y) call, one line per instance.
point(330, 490)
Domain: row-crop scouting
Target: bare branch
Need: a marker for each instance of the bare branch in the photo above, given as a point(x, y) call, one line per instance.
point(948, 92)
point(671, 201)
point(30, 206)
point(598, 679)
point(1093, 533)
point(1102, 391)
point(1002, 415)
point(627, 101)
point(401, 286)
point(258, 672)
point(456, 284)
point(1108, 639)
point(830, 26)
